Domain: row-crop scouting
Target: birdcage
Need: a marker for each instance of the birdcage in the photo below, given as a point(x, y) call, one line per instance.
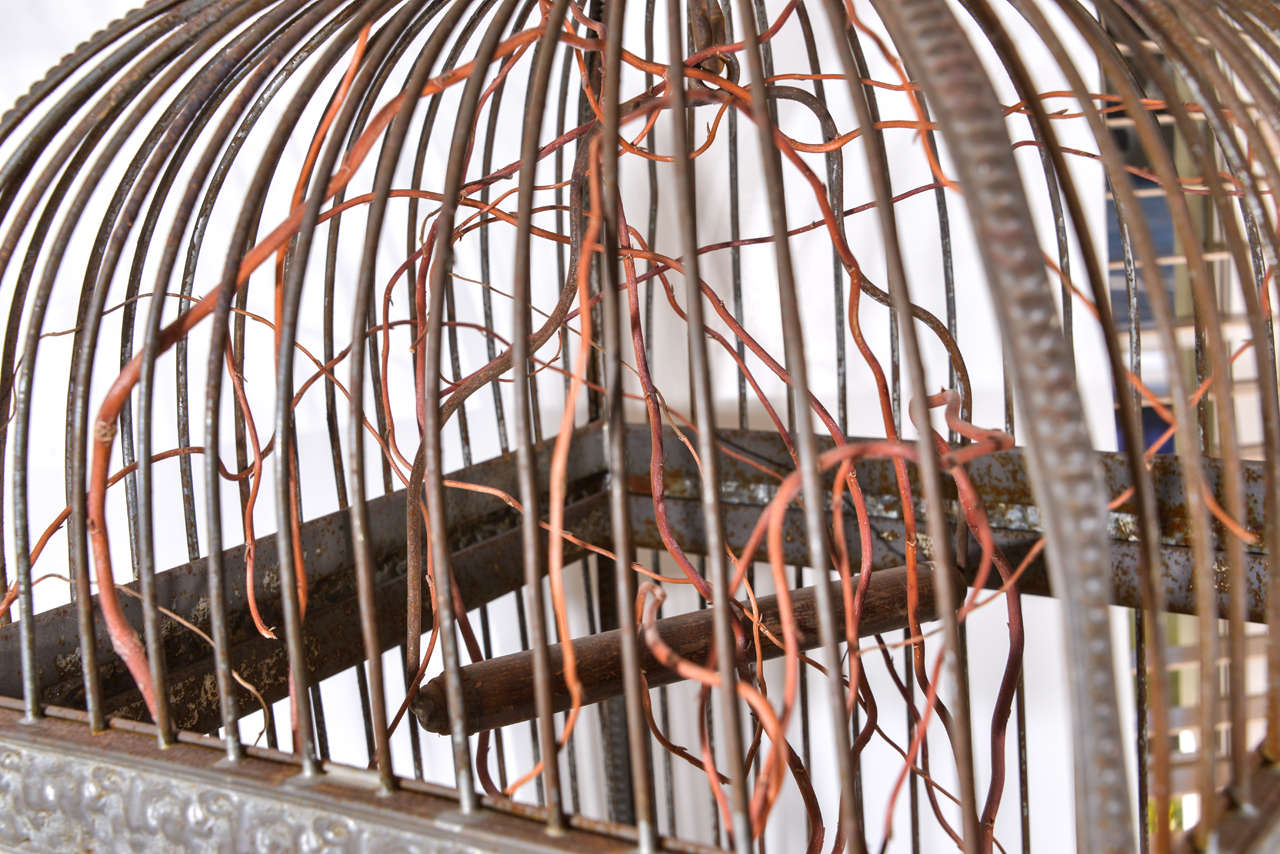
point(508, 426)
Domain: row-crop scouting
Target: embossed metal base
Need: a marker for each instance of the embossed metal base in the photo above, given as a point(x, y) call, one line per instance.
point(63, 788)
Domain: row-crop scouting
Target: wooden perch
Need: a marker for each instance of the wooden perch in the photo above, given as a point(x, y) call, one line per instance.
point(499, 692)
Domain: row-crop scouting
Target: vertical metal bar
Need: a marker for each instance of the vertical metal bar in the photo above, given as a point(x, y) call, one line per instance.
point(766, 53)
point(464, 430)
point(949, 298)
point(486, 649)
point(219, 324)
point(835, 179)
point(594, 613)
point(144, 551)
point(486, 301)
point(619, 789)
point(415, 573)
point(124, 422)
point(531, 536)
point(186, 474)
point(562, 107)
point(1139, 618)
point(522, 628)
point(735, 233)
point(1024, 790)
point(664, 719)
point(1064, 252)
point(375, 710)
point(1140, 723)
point(317, 713)
point(895, 391)
point(700, 377)
point(928, 463)
point(795, 360)
point(436, 507)
point(1270, 747)
point(913, 779)
point(362, 694)
point(562, 267)
point(615, 434)
point(655, 557)
point(292, 294)
point(735, 263)
point(708, 722)
point(22, 558)
point(291, 607)
point(592, 80)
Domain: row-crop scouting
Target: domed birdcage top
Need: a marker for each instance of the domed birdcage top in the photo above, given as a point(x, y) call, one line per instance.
point(752, 408)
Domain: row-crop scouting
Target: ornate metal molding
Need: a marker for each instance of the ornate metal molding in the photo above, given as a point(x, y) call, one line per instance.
point(65, 789)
